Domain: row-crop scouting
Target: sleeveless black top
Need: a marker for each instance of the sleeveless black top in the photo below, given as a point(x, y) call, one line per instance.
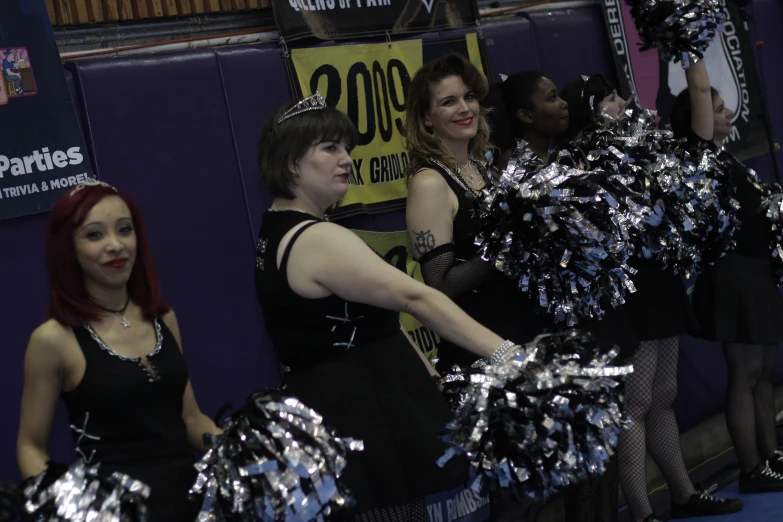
point(308, 331)
point(352, 363)
point(128, 418)
point(495, 302)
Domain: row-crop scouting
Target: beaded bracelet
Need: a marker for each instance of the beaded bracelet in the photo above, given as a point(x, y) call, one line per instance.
point(503, 352)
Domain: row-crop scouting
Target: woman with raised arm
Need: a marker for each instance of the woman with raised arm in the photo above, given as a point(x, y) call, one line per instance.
point(112, 350)
point(331, 308)
point(660, 312)
point(738, 303)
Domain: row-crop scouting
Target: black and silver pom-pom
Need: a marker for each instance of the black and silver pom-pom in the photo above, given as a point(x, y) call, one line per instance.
point(680, 29)
point(10, 501)
point(82, 493)
point(559, 233)
point(276, 461)
point(772, 209)
point(541, 421)
point(684, 197)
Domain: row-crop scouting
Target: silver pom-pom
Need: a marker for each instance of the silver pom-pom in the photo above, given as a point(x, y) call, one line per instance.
point(680, 29)
point(276, 461)
point(560, 233)
point(693, 218)
point(81, 493)
point(543, 420)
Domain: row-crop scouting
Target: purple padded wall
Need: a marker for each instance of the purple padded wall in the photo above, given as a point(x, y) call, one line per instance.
point(572, 42)
point(511, 46)
point(255, 82)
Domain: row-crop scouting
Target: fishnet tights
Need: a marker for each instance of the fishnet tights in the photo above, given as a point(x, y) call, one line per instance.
point(415, 511)
point(649, 393)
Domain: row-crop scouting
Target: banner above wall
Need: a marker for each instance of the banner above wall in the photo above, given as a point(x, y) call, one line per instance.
point(369, 82)
point(730, 62)
point(339, 19)
point(42, 150)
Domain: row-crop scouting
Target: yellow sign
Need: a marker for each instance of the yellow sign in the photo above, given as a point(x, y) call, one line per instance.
point(369, 82)
point(395, 248)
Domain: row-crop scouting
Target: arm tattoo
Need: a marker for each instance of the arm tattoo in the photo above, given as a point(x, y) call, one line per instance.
point(424, 242)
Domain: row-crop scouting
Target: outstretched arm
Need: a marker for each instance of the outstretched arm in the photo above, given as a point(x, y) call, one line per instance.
point(328, 258)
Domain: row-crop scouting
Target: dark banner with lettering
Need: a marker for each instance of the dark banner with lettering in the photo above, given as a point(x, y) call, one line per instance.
point(338, 19)
point(369, 82)
point(42, 150)
point(729, 60)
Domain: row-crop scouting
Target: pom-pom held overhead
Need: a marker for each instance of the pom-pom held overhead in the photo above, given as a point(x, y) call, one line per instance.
point(82, 493)
point(680, 29)
point(558, 232)
point(541, 421)
point(276, 461)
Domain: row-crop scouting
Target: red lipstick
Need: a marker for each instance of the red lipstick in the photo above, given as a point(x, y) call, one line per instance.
point(117, 263)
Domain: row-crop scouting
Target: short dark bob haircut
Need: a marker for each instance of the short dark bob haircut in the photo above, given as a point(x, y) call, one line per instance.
point(282, 145)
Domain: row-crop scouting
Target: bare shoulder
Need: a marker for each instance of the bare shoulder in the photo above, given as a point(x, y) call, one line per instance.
point(50, 341)
point(170, 318)
point(428, 180)
point(325, 234)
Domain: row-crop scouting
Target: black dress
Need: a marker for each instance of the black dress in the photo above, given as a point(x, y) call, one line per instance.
point(128, 418)
point(353, 364)
point(737, 300)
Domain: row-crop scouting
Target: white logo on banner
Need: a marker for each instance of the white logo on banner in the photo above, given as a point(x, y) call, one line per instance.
point(428, 5)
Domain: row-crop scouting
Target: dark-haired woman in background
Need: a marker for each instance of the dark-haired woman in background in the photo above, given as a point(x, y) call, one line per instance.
point(527, 106)
point(738, 304)
point(113, 351)
point(660, 312)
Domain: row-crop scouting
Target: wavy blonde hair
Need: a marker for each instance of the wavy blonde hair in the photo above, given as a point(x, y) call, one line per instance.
point(420, 141)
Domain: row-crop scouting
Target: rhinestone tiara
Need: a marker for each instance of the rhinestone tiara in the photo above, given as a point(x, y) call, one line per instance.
point(91, 182)
point(314, 102)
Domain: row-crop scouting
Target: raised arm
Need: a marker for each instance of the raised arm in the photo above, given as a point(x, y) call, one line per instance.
point(329, 259)
point(700, 92)
point(430, 217)
point(196, 422)
point(43, 372)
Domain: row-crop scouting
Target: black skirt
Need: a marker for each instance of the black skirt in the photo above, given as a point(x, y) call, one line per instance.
point(738, 301)
point(613, 330)
point(660, 307)
point(382, 394)
point(170, 480)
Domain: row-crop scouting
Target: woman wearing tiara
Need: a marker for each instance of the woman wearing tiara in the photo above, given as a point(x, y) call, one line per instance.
point(112, 350)
point(331, 308)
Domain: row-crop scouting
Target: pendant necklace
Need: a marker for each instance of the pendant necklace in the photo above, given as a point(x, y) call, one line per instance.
point(124, 322)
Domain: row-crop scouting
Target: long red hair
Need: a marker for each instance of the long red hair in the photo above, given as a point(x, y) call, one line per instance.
point(69, 302)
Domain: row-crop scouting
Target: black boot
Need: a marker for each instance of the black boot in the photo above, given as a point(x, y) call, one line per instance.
point(704, 504)
point(761, 480)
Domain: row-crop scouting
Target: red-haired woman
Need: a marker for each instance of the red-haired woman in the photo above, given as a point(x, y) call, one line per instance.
point(111, 348)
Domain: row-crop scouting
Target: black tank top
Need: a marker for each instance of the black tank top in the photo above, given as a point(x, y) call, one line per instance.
point(121, 412)
point(495, 303)
point(305, 331)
